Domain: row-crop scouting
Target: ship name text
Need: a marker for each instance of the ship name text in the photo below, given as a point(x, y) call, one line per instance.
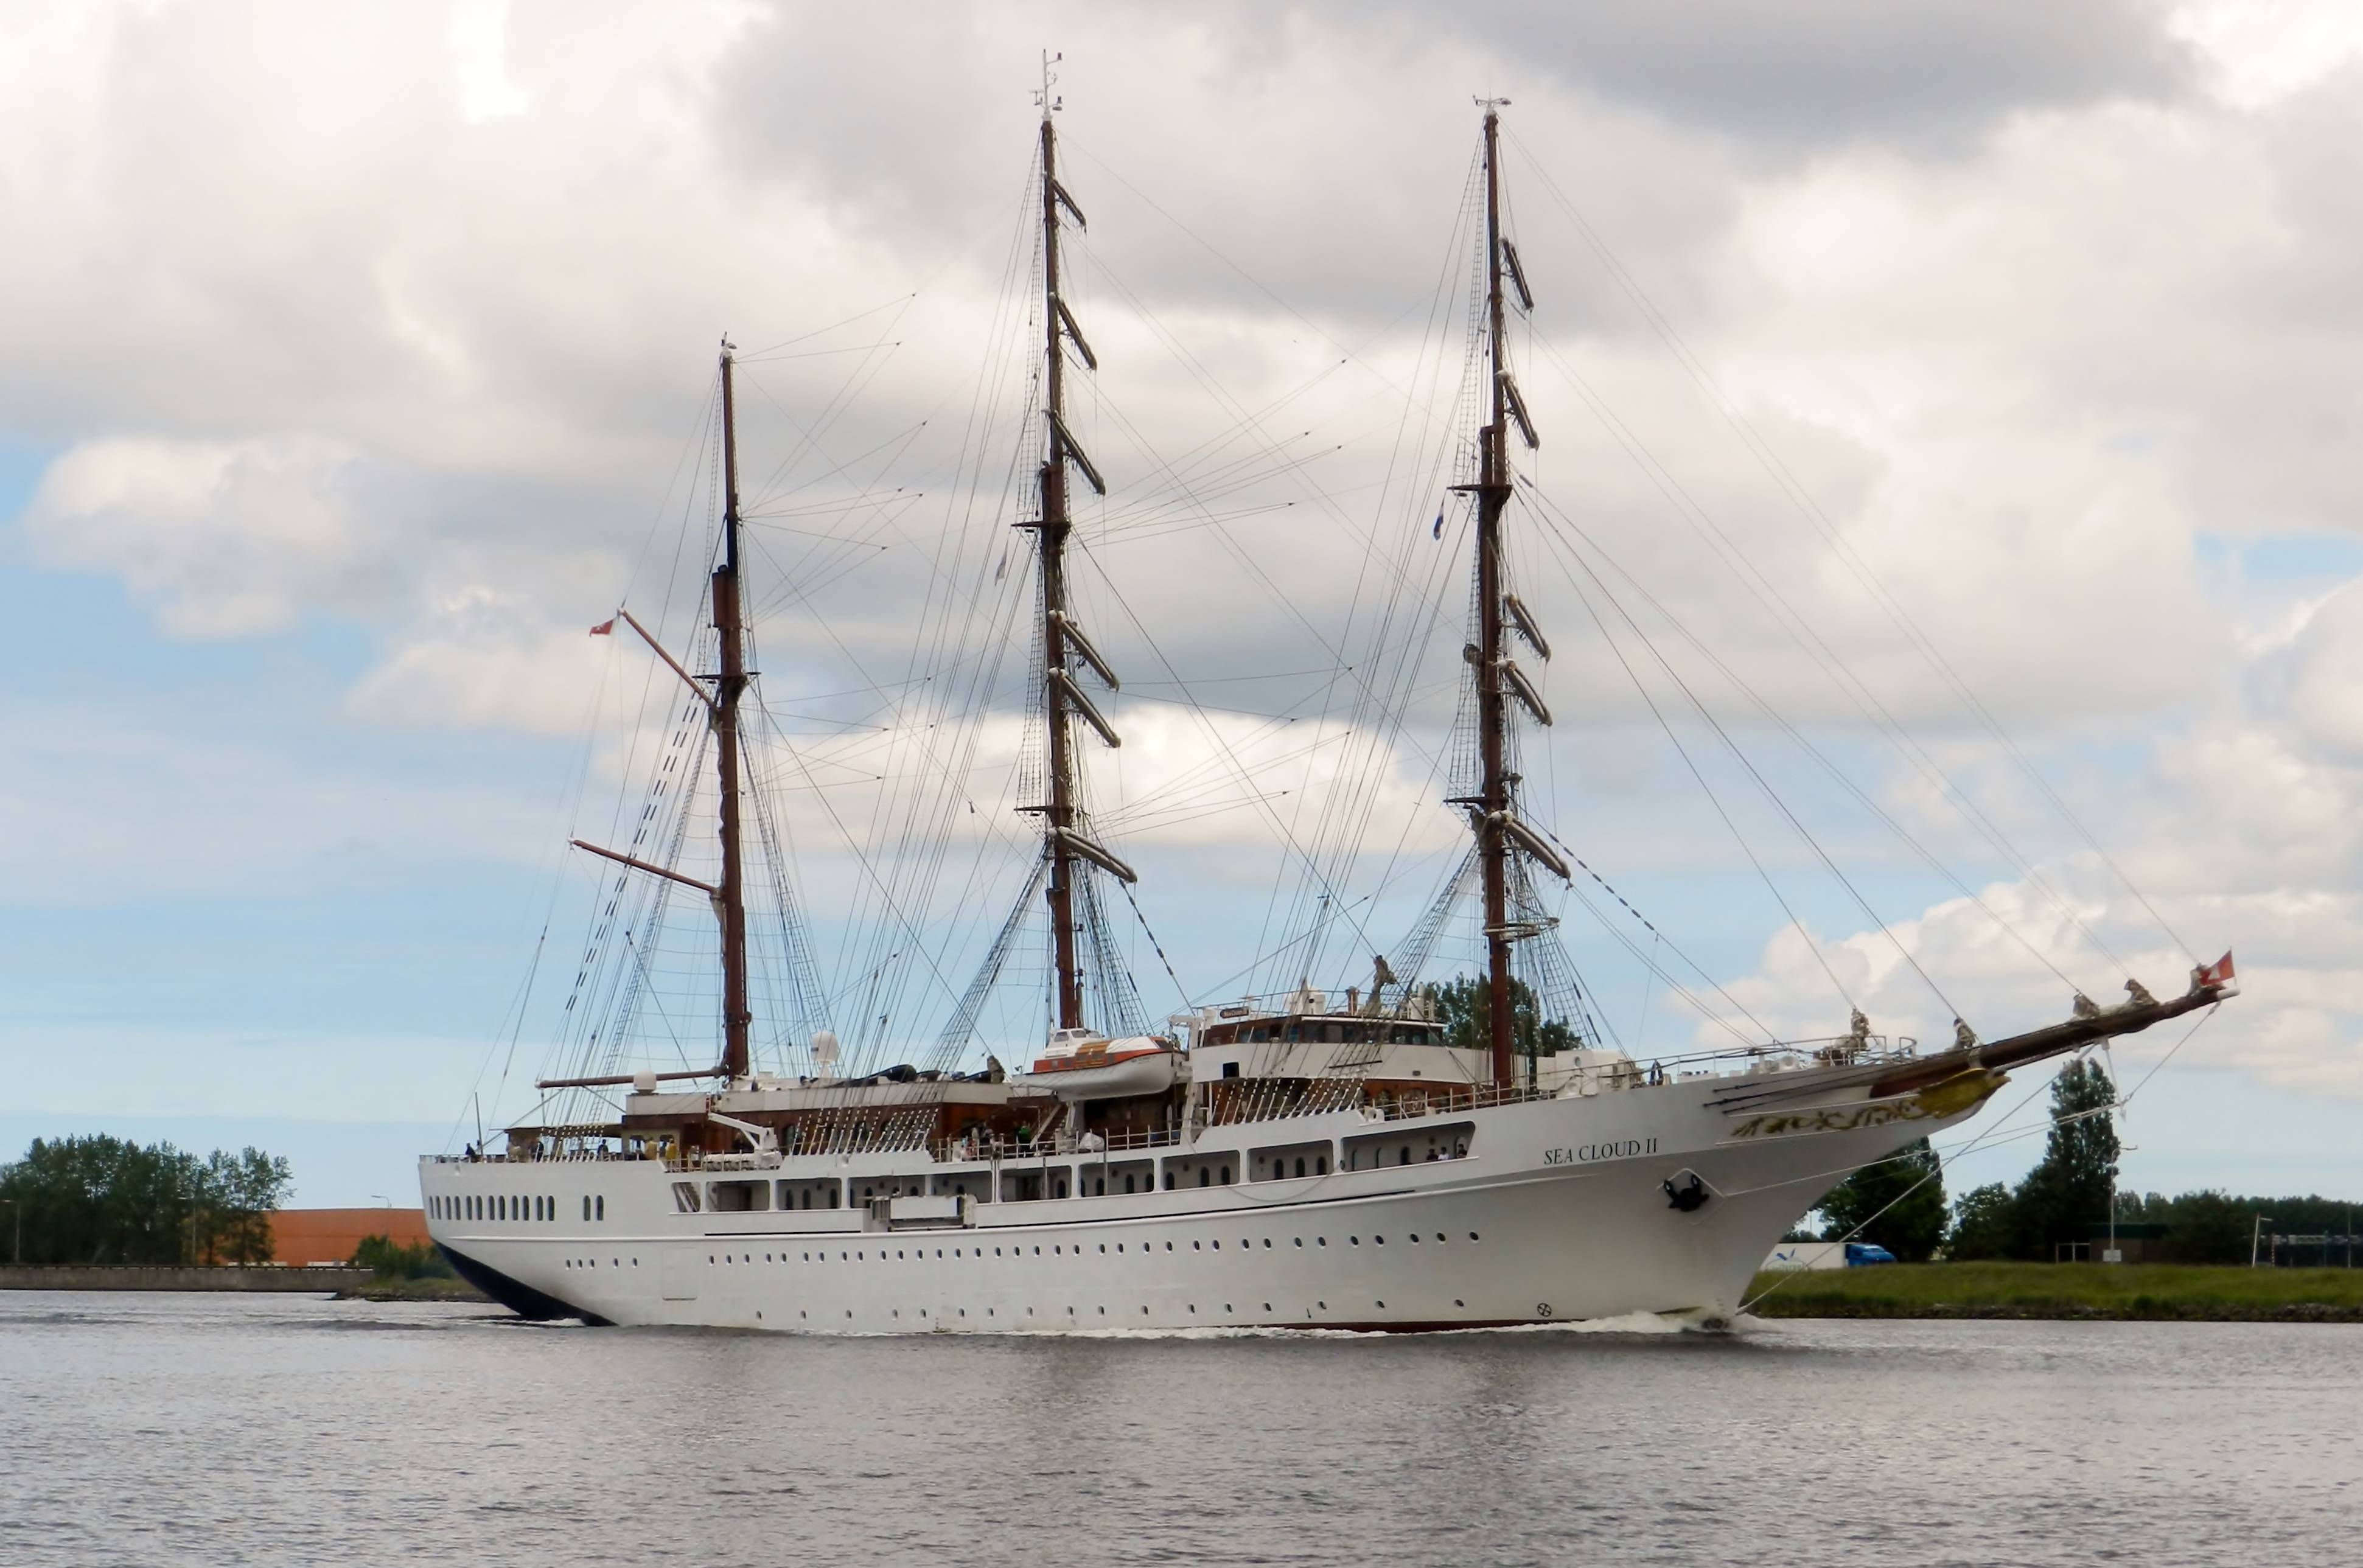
point(1585, 1154)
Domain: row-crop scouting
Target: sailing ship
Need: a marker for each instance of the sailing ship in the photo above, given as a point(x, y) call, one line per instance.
point(1307, 1160)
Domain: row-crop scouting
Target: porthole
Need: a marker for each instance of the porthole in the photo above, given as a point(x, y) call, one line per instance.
point(1323, 1305)
point(1194, 1309)
point(1104, 1246)
point(1168, 1246)
point(1267, 1306)
point(1414, 1238)
point(1227, 1306)
point(1382, 1306)
point(601, 1204)
point(1194, 1246)
point(1457, 1302)
point(1320, 1240)
point(1472, 1236)
point(1439, 1235)
point(1353, 1241)
point(1379, 1240)
point(1300, 1240)
point(1218, 1246)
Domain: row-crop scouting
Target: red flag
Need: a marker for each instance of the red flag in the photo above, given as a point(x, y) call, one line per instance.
point(2219, 973)
point(604, 627)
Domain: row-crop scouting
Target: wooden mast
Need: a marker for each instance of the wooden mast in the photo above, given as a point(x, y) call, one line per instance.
point(1059, 818)
point(1493, 717)
point(729, 897)
point(1063, 843)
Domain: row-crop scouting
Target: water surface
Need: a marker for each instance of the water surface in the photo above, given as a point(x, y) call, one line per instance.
point(273, 1430)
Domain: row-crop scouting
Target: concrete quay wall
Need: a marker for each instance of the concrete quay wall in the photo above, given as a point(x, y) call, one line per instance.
point(168, 1278)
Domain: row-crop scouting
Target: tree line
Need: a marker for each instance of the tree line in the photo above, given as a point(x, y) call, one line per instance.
point(101, 1199)
point(1899, 1203)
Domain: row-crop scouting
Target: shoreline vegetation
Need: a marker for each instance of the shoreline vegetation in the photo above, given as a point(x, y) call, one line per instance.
point(2196, 1293)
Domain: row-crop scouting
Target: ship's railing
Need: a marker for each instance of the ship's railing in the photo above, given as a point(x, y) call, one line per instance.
point(522, 1158)
point(1837, 1050)
point(972, 1151)
point(1411, 1104)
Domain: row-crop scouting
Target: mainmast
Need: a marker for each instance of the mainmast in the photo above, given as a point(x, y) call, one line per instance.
point(729, 896)
point(1063, 843)
point(1499, 834)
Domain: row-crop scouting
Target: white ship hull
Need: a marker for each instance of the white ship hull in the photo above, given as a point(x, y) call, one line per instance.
point(1559, 1210)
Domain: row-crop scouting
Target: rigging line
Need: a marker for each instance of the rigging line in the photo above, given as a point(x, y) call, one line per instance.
point(819, 353)
point(1805, 745)
point(2163, 1061)
point(810, 441)
point(1713, 799)
point(1801, 630)
point(1800, 500)
point(963, 503)
point(856, 382)
point(1155, 947)
point(1212, 734)
point(900, 302)
point(1697, 1004)
point(1656, 936)
point(1222, 535)
point(1766, 786)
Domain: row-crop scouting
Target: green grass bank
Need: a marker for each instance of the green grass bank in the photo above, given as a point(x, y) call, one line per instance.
point(2130, 1292)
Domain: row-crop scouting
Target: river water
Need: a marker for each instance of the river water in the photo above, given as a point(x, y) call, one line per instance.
point(223, 1429)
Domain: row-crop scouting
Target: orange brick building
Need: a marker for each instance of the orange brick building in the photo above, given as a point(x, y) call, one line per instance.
point(329, 1235)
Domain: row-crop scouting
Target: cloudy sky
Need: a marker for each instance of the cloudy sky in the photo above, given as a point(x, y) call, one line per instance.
point(357, 359)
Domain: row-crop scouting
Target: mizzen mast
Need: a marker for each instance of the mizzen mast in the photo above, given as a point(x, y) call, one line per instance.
point(1064, 846)
point(727, 895)
point(730, 896)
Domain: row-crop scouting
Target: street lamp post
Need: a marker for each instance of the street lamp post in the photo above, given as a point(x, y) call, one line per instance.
point(2256, 1237)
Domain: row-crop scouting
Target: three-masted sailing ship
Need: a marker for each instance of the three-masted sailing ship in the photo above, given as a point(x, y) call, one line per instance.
point(1305, 1161)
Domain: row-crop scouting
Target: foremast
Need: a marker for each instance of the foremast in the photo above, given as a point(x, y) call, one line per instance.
point(1494, 815)
point(1065, 847)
